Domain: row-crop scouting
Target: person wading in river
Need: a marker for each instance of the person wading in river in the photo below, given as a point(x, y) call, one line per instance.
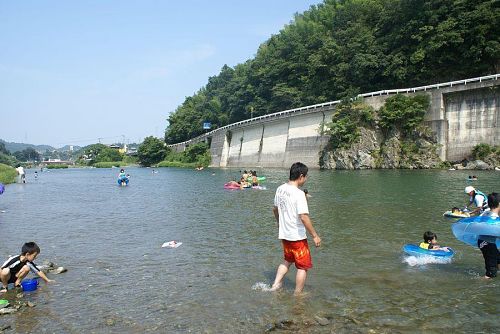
point(292, 215)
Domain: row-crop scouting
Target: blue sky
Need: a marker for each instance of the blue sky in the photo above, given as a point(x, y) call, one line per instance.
point(75, 71)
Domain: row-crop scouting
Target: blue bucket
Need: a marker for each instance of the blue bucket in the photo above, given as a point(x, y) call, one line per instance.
point(29, 284)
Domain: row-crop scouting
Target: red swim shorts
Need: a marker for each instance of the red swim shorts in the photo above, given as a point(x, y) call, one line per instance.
point(298, 252)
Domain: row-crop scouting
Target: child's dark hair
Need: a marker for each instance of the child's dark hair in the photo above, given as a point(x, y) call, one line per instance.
point(455, 209)
point(298, 169)
point(306, 191)
point(493, 200)
point(428, 236)
point(30, 248)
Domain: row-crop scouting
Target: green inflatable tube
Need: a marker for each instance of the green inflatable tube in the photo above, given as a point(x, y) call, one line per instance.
point(260, 178)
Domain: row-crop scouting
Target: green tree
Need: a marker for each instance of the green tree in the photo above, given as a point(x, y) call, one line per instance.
point(481, 151)
point(97, 153)
point(349, 115)
point(108, 154)
point(28, 154)
point(195, 152)
point(8, 160)
point(403, 112)
point(3, 149)
point(339, 47)
point(151, 151)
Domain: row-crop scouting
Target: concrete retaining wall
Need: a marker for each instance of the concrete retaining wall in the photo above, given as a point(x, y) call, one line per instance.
point(462, 114)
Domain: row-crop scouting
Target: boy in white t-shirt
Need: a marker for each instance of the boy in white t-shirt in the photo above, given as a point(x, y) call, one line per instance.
point(292, 215)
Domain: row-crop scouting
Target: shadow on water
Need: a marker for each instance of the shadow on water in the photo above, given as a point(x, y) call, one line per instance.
point(121, 280)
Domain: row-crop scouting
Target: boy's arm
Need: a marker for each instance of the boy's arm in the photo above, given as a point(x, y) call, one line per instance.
point(44, 277)
point(276, 215)
point(437, 247)
point(309, 227)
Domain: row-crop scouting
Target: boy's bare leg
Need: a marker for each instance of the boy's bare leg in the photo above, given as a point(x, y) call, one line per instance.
point(4, 277)
point(300, 280)
point(282, 270)
point(21, 274)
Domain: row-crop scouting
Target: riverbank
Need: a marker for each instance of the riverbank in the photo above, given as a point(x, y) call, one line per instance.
point(178, 164)
point(7, 174)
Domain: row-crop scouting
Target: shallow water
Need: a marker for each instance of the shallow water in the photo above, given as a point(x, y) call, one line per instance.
point(120, 280)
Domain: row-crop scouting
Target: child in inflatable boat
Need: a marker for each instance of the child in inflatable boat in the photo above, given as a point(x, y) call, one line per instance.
point(430, 242)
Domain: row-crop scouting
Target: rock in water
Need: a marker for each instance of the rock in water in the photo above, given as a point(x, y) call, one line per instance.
point(7, 310)
point(322, 321)
point(60, 270)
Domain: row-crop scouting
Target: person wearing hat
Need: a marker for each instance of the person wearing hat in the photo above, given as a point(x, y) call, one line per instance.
point(478, 199)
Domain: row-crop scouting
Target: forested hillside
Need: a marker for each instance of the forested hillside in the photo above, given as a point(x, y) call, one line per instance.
point(342, 48)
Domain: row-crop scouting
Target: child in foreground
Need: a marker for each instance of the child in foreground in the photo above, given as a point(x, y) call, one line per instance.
point(15, 269)
point(430, 242)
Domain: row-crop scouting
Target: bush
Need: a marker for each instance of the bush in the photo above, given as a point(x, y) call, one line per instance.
point(481, 151)
point(194, 156)
point(57, 166)
point(8, 159)
point(151, 151)
point(196, 152)
point(130, 160)
point(403, 112)
point(8, 174)
point(344, 127)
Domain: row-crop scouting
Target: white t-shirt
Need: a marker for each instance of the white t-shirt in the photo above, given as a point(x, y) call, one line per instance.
point(291, 202)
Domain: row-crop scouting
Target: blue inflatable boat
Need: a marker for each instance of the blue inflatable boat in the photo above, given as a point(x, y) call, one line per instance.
point(121, 181)
point(415, 250)
point(469, 230)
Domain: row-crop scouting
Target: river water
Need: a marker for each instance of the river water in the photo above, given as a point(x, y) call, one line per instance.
point(120, 280)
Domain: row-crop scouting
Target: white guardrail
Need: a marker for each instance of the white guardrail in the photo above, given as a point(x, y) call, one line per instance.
point(311, 108)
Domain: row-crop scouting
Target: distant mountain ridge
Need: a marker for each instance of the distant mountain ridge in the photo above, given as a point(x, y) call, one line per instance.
point(15, 147)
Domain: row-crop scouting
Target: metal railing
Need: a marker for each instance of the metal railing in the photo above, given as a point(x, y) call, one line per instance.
point(314, 107)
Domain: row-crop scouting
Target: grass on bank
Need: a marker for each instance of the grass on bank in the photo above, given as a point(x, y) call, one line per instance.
point(7, 174)
point(127, 161)
point(56, 166)
point(109, 164)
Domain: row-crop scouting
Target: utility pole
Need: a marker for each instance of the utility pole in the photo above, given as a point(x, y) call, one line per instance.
point(99, 139)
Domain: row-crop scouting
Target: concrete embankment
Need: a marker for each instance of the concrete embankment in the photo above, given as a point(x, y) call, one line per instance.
point(462, 114)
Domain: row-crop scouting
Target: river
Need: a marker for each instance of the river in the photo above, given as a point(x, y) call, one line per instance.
point(120, 280)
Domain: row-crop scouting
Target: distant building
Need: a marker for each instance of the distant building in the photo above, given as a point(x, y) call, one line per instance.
point(131, 151)
point(122, 150)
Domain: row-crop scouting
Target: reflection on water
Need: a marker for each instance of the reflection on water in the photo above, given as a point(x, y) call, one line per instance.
point(121, 280)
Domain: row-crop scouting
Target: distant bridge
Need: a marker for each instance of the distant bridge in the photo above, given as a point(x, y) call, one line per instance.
point(462, 114)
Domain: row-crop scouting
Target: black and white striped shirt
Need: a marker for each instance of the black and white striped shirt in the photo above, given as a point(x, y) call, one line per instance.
point(15, 264)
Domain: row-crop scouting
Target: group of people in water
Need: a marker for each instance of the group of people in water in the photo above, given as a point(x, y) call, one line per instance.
point(292, 217)
point(484, 205)
point(247, 180)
